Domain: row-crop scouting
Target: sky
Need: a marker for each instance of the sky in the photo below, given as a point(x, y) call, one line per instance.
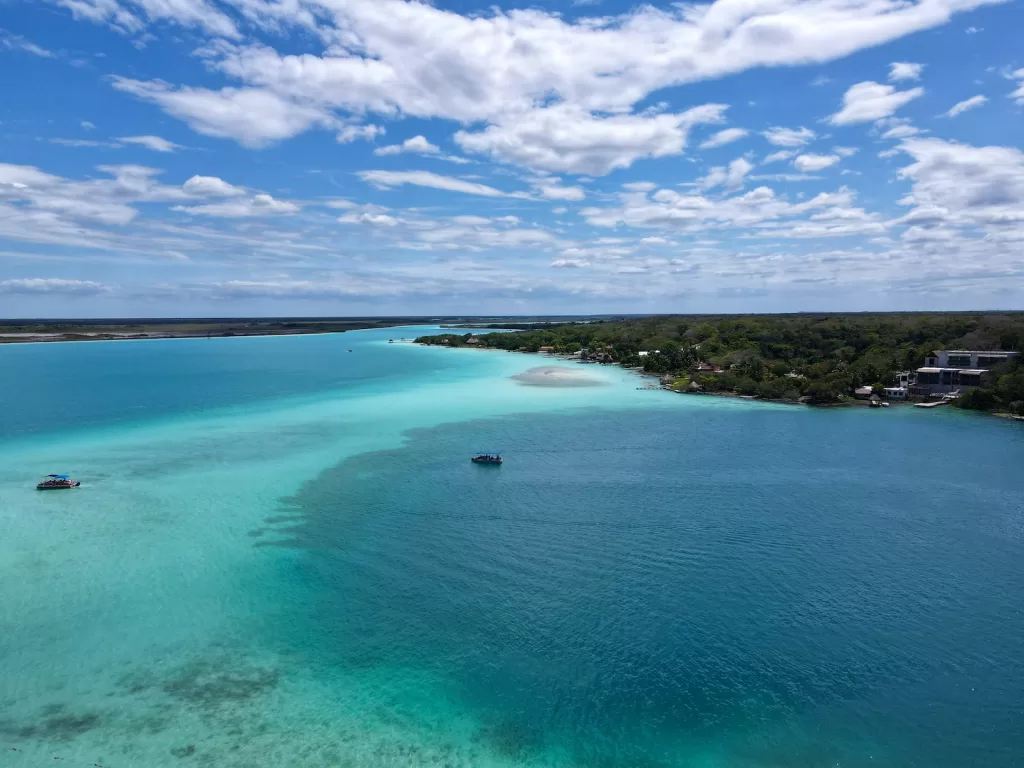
point(350, 157)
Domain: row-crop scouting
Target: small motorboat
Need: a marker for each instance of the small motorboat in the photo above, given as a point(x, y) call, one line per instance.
point(487, 458)
point(57, 483)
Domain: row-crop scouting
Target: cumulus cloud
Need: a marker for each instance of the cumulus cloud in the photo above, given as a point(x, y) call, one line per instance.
point(724, 137)
point(255, 117)
point(495, 68)
point(905, 70)
point(761, 211)
point(130, 20)
point(789, 137)
point(554, 192)
point(1018, 95)
point(155, 143)
point(417, 145)
point(570, 140)
point(351, 132)
point(210, 186)
point(899, 129)
point(869, 101)
point(730, 177)
point(390, 179)
point(257, 205)
point(811, 162)
point(961, 185)
point(782, 154)
point(962, 106)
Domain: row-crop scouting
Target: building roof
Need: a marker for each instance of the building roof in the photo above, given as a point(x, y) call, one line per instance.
point(974, 371)
point(1004, 352)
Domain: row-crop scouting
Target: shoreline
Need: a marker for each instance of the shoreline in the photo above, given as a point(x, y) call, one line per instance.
point(847, 403)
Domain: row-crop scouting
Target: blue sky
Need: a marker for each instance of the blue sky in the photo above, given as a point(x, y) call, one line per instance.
point(381, 156)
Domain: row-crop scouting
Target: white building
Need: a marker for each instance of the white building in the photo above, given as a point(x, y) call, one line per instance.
point(967, 358)
point(951, 370)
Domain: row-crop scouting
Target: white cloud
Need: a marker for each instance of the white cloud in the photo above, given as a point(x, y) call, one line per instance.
point(731, 177)
point(811, 162)
point(84, 143)
point(495, 67)
point(155, 143)
point(901, 130)
point(1018, 95)
point(373, 219)
point(962, 106)
point(905, 70)
point(567, 139)
point(416, 145)
point(961, 185)
point(869, 101)
point(761, 211)
point(257, 205)
point(349, 133)
point(87, 125)
point(782, 154)
point(724, 137)
point(189, 13)
point(788, 137)
point(252, 116)
point(562, 193)
point(846, 151)
point(389, 179)
point(210, 186)
point(18, 43)
point(53, 285)
point(570, 263)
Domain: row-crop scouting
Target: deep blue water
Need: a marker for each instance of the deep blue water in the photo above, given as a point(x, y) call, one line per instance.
point(747, 588)
point(281, 556)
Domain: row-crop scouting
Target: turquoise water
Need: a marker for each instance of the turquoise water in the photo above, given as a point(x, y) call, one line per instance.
point(281, 556)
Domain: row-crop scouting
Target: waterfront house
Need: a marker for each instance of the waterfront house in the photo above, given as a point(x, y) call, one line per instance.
point(863, 393)
point(547, 349)
point(967, 358)
point(472, 340)
point(951, 370)
point(897, 393)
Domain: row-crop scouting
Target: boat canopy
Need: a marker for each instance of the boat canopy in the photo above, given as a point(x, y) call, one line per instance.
point(59, 477)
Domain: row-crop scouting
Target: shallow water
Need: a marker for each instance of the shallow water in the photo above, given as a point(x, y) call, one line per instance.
point(281, 556)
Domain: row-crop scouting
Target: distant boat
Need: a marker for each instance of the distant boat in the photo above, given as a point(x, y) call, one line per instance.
point(57, 483)
point(487, 458)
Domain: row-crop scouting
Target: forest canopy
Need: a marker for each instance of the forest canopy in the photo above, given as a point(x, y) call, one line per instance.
point(823, 357)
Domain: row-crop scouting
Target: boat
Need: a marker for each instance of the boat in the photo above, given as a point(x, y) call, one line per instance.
point(57, 483)
point(487, 458)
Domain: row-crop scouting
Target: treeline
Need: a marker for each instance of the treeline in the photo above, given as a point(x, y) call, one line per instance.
point(823, 357)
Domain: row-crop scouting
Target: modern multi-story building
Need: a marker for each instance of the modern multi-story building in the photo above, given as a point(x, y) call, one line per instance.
point(950, 370)
point(963, 358)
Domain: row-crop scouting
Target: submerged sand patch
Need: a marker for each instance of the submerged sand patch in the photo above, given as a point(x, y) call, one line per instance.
point(552, 376)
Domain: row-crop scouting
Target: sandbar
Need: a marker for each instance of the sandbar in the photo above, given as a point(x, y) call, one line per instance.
point(551, 376)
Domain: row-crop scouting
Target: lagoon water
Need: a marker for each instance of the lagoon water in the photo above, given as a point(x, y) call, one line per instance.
point(281, 556)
